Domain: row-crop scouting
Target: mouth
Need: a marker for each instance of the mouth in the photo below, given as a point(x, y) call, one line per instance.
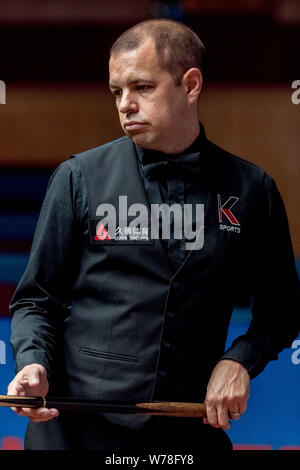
point(134, 125)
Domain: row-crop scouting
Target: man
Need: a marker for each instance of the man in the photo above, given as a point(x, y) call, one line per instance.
point(107, 312)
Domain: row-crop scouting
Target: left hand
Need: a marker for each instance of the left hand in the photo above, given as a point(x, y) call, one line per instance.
point(227, 394)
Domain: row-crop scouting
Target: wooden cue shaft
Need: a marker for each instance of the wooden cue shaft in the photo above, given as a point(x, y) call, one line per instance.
point(180, 409)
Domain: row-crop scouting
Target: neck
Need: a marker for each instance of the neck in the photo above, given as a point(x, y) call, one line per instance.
point(184, 139)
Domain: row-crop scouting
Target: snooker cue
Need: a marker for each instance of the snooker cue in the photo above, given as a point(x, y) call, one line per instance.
point(179, 409)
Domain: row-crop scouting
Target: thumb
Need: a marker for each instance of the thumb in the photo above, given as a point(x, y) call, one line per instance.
point(34, 378)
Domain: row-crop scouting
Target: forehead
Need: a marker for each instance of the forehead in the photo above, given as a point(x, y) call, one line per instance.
point(141, 60)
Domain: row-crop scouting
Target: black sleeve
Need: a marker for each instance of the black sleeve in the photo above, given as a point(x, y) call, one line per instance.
point(40, 303)
point(274, 285)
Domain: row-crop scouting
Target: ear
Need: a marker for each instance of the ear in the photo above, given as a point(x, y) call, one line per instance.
point(192, 84)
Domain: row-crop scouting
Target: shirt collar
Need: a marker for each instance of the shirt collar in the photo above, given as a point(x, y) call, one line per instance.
point(150, 158)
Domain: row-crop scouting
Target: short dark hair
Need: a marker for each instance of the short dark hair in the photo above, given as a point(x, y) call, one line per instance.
point(177, 47)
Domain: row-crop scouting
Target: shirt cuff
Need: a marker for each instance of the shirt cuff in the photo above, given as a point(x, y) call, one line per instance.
point(244, 352)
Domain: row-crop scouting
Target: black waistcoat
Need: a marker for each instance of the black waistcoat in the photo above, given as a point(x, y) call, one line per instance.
point(137, 330)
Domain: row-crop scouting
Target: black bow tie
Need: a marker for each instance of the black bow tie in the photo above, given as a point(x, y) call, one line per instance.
point(157, 164)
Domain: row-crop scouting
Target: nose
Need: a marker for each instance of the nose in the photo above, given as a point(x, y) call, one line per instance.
point(127, 103)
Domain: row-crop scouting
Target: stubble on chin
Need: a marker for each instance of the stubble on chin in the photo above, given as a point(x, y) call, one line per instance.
point(142, 139)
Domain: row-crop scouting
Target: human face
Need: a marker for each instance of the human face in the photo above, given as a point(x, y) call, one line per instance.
point(151, 107)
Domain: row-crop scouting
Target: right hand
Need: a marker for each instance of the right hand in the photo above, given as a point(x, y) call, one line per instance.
point(32, 381)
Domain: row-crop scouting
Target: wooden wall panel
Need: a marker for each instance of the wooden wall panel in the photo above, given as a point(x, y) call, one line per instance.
point(41, 125)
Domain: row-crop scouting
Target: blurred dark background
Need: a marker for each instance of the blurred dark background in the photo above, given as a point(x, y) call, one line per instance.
point(54, 62)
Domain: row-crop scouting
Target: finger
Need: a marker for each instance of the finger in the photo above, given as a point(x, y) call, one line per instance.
point(45, 418)
point(237, 405)
point(18, 411)
point(212, 416)
point(223, 419)
point(17, 390)
point(233, 409)
point(243, 405)
point(234, 413)
point(20, 392)
point(40, 414)
point(17, 386)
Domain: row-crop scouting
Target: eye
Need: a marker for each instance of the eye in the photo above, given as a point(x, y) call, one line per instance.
point(117, 93)
point(144, 87)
